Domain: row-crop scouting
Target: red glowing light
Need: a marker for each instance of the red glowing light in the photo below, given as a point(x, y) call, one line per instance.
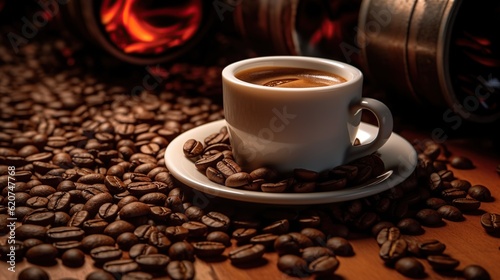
point(150, 26)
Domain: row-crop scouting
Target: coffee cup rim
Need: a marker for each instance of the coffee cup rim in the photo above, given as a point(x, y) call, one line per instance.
point(229, 72)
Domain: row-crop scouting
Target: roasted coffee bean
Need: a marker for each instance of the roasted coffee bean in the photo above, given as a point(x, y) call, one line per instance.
point(453, 193)
point(435, 203)
point(108, 211)
point(219, 236)
point(451, 213)
point(446, 175)
point(100, 275)
point(94, 203)
point(461, 162)
point(142, 249)
point(27, 231)
point(410, 226)
point(63, 246)
point(92, 178)
point(114, 184)
point(340, 246)
point(293, 265)
point(182, 250)
point(143, 232)
point(208, 249)
point(392, 250)
point(435, 182)
point(324, 266)
point(177, 219)
point(118, 227)
point(73, 258)
point(265, 173)
point(33, 273)
point(104, 254)
point(126, 240)
point(181, 270)
point(37, 202)
point(475, 272)
point(196, 229)
point(14, 251)
point(152, 262)
point(40, 217)
point(410, 267)
point(442, 263)
point(176, 233)
point(59, 201)
point(228, 167)
point(466, 204)
point(214, 175)
point(94, 226)
point(56, 234)
point(277, 227)
point(266, 239)
point(92, 241)
point(310, 254)
point(479, 192)
point(120, 266)
point(388, 234)
point(215, 138)
point(315, 235)
point(141, 188)
point(242, 235)
point(43, 254)
point(332, 185)
point(78, 218)
point(491, 222)
point(429, 217)
point(137, 275)
point(431, 247)
point(375, 230)
point(461, 184)
point(30, 242)
point(133, 210)
point(246, 253)
point(216, 221)
point(203, 163)
point(238, 180)
point(159, 240)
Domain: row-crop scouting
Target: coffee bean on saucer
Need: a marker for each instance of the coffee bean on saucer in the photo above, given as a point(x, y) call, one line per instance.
point(461, 162)
point(214, 175)
point(238, 180)
point(278, 187)
point(192, 148)
point(203, 163)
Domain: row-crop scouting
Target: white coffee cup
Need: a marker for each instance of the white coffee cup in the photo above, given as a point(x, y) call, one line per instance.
point(286, 128)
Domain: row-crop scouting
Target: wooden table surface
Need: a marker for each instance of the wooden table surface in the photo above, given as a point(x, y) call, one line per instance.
point(466, 241)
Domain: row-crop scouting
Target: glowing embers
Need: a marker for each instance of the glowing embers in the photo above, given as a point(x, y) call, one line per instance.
point(150, 26)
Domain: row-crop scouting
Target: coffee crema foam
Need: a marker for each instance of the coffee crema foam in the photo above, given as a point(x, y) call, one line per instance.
point(289, 77)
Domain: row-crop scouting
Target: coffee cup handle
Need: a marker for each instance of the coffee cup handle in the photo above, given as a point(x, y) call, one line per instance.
point(385, 126)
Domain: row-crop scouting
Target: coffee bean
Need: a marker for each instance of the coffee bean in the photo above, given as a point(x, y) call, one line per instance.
point(293, 265)
point(410, 267)
point(310, 254)
point(181, 270)
point(340, 246)
point(246, 253)
point(216, 221)
point(92, 241)
point(152, 262)
point(126, 240)
point(211, 161)
point(56, 234)
point(59, 201)
point(491, 222)
point(451, 213)
point(73, 258)
point(94, 203)
point(324, 266)
point(159, 240)
point(78, 218)
point(176, 233)
point(118, 227)
point(43, 254)
point(442, 263)
point(480, 192)
point(100, 275)
point(453, 193)
point(315, 235)
point(238, 180)
point(461, 162)
point(375, 230)
point(243, 235)
point(388, 234)
point(133, 210)
point(40, 217)
point(466, 204)
point(429, 217)
point(461, 184)
point(435, 203)
point(182, 250)
point(277, 227)
point(33, 273)
point(214, 175)
point(431, 247)
point(108, 211)
point(219, 236)
point(104, 254)
point(142, 249)
point(410, 226)
point(475, 272)
point(392, 250)
point(137, 275)
point(208, 249)
point(120, 266)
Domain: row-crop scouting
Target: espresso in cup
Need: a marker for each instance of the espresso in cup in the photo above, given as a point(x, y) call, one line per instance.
point(289, 77)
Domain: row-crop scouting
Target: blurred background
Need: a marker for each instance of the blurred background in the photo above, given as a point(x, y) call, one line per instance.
point(433, 65)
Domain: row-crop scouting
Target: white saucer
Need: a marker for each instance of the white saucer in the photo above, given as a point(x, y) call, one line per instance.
point(399, 157)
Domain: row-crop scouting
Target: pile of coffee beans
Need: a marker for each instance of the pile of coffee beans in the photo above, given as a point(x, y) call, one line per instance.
point(90, 183)
point(213, 157)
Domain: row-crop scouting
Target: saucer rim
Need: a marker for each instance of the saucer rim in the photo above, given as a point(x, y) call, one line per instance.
point(396, 145)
